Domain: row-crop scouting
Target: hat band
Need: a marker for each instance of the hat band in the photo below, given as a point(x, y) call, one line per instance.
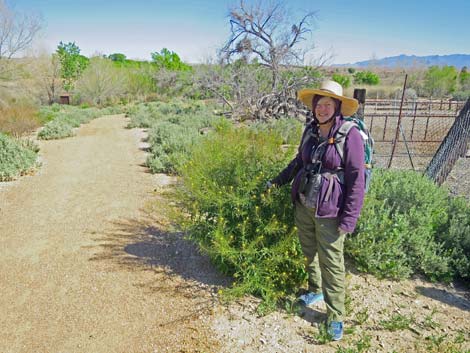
point(327, 90)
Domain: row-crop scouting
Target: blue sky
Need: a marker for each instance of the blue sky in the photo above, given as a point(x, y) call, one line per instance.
point(351, 30)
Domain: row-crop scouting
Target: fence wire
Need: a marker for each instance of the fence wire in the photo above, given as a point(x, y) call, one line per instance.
point(453, 146)
point(424, 125)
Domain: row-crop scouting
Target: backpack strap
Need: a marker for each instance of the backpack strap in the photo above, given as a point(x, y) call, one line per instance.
point(340, 137)
point(308, 133)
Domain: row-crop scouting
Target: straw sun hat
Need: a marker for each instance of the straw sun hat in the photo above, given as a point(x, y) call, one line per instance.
point(329, 89)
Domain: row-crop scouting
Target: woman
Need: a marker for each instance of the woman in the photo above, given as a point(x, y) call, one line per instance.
point(328, 194)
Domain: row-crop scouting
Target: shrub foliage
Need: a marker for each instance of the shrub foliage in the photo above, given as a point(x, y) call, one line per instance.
point(16, 157)
point(174, 128)
point(248, 233)
point(405, 228)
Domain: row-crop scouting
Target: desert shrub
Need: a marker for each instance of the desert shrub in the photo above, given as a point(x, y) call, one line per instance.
point(19, 119)
point(48, 112)
point(397, 232)
point(174, 128)
point(56, 129)
point(248, 234)
point(64, 120)
point(455, 235)
point(289, 129)
point(16, 157)
point(461, 95)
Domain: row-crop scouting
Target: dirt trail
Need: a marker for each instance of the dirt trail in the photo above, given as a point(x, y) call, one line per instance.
point(83, 266)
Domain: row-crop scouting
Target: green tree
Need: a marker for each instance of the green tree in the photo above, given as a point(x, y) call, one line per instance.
point(343, 80)
point(169, 60)
point(72, 63)
point(366, 77)
point(440, 81)
point(117, 57)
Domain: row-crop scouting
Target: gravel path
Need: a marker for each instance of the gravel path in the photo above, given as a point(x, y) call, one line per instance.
point(84, 267)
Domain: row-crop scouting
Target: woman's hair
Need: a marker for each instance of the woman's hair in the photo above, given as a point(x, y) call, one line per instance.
point(317, 97)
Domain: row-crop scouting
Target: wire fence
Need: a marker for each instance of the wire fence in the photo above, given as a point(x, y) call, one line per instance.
point(454, 146)
point(423, 126)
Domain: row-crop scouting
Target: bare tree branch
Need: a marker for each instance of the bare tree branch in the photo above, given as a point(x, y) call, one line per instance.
point(263, 32)
point(17, 31)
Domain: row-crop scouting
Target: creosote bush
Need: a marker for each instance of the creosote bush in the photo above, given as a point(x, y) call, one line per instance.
point(248, 232)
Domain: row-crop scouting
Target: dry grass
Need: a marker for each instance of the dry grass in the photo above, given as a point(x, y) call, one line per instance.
point(18, 120)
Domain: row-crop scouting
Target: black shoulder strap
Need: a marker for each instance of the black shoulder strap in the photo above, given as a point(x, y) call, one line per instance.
point(308, 133)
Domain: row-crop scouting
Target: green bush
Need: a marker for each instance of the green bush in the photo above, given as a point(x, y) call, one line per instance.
point(455, 235)
point(289, 129)
point(461, 95)
point(343, 80)
point(16, 157)
point(396, 235)
point(174, 128)
point(249, 234)
point(56, 129)
point(366, 77)
point(62, 121)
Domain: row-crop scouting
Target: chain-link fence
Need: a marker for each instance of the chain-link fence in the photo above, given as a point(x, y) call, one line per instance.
point(454, 145)
point(411, 143)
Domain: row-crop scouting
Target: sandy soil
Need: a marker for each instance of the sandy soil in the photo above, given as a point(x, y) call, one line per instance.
point(85, 267)
point(88, 265)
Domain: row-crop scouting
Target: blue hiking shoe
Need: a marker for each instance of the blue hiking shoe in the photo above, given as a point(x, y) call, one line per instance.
point(310, 298)
point(335, 329)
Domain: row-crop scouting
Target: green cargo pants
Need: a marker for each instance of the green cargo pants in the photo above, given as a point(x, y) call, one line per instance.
point(322, 246)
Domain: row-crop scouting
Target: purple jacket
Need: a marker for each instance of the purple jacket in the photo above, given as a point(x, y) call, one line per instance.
point(346, 200)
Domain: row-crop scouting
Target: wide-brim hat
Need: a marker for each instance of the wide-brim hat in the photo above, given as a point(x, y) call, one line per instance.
point(329, 89)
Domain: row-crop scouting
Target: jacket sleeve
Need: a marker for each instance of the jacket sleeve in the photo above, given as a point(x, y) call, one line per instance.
point(354, 181)
point(289, 173)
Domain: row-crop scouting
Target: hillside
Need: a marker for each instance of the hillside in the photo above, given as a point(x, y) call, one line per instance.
point(406, 61)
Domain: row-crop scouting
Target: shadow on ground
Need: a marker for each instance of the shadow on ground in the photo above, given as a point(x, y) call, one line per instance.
point(142, 244)
point(445, 297)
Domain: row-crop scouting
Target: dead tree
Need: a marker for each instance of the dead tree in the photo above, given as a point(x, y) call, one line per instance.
point(262, 31)
point(17, 31)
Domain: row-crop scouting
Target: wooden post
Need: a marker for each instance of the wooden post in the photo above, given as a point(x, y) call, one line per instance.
point(360, 95)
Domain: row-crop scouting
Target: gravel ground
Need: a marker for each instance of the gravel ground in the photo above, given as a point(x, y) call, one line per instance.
point(85, 266)
point(458, 180)
point(438, 316)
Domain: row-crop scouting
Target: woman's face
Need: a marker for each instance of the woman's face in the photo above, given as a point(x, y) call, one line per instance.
point(325, 109)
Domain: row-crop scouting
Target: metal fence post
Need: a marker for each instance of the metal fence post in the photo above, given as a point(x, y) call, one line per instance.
point(398, 124)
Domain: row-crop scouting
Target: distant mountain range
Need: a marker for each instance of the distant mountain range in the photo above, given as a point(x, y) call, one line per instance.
point(406, 61)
